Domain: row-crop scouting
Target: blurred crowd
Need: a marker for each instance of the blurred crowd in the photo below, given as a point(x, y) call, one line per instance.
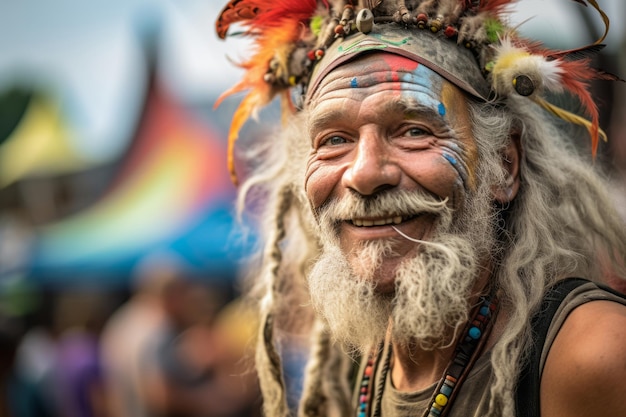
point(172, 346)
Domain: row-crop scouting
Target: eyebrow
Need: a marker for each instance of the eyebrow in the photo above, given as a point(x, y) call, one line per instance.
point(406, 106)
point(323, 119)
point(412, 108)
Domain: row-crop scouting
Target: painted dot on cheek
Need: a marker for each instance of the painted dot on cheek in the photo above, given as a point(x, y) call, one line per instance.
point(354, 83)
point(442, 109)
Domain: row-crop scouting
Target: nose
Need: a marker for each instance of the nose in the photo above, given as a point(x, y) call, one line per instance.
point(372, 169)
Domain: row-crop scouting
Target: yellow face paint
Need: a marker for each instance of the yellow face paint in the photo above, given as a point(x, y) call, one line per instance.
point(458, 113)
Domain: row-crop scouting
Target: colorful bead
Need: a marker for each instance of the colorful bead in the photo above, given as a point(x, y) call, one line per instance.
point(422, 20)
point(441, 400)
point(450, 31)
point(435, 26)
point(451, 380)
point(365, 384)
point(475, 333)
point(465, 351)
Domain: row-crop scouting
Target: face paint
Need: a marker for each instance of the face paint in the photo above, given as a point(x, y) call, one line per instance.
point(463, 154)
point(410, 79)
point(396, 126)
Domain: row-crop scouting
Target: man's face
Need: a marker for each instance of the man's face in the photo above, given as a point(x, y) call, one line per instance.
point(380, 125)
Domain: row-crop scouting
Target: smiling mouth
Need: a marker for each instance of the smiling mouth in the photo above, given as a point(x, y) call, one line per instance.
point(380, 222)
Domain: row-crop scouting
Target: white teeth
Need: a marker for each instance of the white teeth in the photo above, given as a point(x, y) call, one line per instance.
point(381, 222)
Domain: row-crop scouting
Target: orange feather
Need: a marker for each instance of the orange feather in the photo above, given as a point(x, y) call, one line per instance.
point(275, 25)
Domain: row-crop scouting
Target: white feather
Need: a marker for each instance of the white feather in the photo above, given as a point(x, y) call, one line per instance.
point(550, 74)
point(511, 61)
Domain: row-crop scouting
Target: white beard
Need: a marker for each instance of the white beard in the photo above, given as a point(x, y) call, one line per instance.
point(431, 288)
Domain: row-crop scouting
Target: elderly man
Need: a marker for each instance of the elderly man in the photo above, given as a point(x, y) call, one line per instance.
point(428, 203)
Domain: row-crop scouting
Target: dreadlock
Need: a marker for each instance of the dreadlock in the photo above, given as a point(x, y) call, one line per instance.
point(268, 360)
point(327, 390)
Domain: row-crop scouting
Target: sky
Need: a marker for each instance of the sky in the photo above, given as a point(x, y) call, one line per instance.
point(88, 55)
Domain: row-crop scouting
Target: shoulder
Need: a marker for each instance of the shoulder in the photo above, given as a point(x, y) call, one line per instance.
point(586, 366)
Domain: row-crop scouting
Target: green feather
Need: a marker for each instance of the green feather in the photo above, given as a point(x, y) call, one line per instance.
point(316, 25)
point(493, 29)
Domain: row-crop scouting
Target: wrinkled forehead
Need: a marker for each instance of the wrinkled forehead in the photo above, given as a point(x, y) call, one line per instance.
point(378, 72)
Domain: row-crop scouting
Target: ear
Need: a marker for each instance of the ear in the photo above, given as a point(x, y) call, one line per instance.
point(510, 160)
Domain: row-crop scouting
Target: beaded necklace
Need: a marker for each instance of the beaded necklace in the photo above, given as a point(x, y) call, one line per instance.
point(466, 353)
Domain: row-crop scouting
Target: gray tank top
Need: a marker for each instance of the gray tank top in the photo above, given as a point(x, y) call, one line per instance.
point(473, 398)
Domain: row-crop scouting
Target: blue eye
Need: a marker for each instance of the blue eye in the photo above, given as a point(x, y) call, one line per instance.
point(335, 140)
point(415, 131)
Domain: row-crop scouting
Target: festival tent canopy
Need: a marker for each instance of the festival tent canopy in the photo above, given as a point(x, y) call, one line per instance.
point(173, 195)
point(40, 144)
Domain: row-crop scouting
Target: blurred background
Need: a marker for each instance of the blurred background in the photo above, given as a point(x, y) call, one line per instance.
point(121, 258)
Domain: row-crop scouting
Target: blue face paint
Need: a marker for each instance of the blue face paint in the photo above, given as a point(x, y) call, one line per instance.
point(450, 158)
point(416, 82)
point(426, 85)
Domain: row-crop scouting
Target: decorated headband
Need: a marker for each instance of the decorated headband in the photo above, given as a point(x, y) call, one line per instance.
point(464, 41)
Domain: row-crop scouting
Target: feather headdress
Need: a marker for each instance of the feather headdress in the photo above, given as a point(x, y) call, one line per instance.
point(293, 41)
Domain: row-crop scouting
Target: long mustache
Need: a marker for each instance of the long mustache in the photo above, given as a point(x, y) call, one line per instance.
point(385, 204)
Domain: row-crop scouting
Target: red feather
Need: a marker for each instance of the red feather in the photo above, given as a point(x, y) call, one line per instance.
point(236, 11)
point(576, 77)
point(495, 6)
point(260, 14)
point(276, 25)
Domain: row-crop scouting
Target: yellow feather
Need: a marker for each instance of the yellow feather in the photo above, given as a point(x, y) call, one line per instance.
point(576, 119)
point(508, 59)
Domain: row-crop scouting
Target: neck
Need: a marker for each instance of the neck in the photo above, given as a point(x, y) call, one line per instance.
point(414, 368)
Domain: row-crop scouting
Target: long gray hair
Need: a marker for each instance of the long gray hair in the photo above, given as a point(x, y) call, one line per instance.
point(561, 223)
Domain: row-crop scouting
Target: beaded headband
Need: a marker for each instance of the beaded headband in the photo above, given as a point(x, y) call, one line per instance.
point(465, 41)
